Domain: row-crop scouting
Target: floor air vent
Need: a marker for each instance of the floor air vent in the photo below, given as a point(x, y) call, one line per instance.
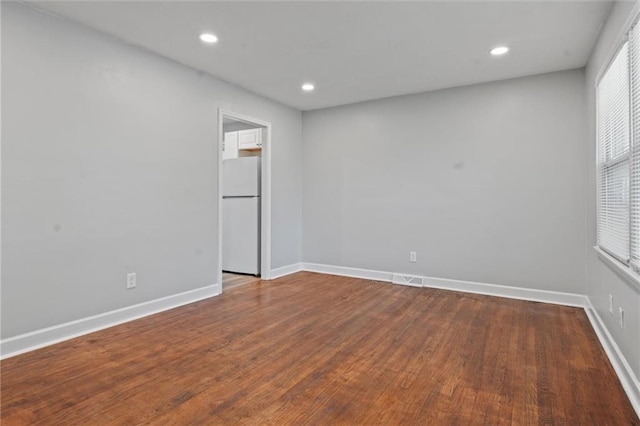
point(403, 279)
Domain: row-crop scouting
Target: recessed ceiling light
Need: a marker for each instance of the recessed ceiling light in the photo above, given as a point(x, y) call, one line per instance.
point(307, 87)
point(208, 38)
point(500, 50)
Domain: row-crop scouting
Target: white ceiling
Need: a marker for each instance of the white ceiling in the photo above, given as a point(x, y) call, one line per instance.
point(353, 51)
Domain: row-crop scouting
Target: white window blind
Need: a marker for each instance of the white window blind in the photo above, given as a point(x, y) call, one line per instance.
point(634, 67)
point(613, 127)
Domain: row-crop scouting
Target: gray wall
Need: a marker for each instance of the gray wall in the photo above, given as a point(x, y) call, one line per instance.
point(109, 166)
point(485, 182)
point(602, 280)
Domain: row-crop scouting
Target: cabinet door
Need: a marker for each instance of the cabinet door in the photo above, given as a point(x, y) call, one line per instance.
point(230, 145)
point(250, 139)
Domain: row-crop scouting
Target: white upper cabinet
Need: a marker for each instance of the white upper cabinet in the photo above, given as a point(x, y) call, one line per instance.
point(250, 139)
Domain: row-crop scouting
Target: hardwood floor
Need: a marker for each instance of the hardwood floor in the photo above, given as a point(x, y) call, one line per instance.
point(230, 280)
point(318, 349)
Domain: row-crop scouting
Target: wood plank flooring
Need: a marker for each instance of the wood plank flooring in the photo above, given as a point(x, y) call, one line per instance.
point(318, 349)
point(231, 280)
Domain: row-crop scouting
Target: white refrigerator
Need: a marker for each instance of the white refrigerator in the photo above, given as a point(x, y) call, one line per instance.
point(241, 215)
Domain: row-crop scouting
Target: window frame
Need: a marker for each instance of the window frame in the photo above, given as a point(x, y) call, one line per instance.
point(624, 268)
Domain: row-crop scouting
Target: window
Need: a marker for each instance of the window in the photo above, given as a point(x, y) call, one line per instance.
point(612, 94)
point(618, 161)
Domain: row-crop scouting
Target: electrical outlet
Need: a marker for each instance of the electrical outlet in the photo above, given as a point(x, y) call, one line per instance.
point(611, 304)
point(413, 257)
point(131, 280)
point(621, 317)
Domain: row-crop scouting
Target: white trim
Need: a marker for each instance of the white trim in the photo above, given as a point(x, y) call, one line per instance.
point(265, 196)
point(286, 270)
point(626, 273)
point(265, 207)
point(344, 271)
point(520, 293)
point(546, 296)
point(628, 379)
point(620, 39)
point(219, 192)
point(58, 333)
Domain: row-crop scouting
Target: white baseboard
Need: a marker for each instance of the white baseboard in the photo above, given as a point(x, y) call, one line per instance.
point(546, 296)
point(628, 379)
point(344, 271)
point(48, 336)
point(286, 270)
point(534, 295)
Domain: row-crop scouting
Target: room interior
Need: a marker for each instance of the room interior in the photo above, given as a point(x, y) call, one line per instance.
point(424, 195)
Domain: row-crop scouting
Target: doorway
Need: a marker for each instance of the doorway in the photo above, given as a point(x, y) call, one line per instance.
point(244, 199)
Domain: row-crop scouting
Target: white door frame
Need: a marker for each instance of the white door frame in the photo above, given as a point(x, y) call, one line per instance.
point(265, 196)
